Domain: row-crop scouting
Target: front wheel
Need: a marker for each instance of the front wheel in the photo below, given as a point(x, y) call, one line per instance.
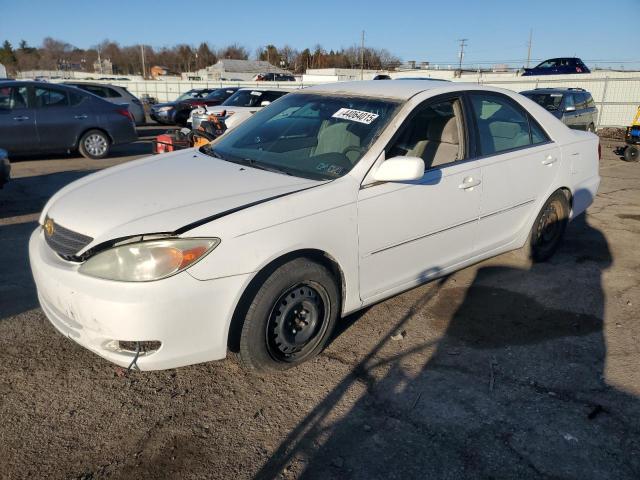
point(290, 318)
point(548, 229)
point(94, 144)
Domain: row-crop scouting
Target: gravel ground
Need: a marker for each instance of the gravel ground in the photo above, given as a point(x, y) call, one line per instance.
point(501, 370)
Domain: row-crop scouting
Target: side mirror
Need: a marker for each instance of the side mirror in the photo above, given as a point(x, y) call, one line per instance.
point(570, 109)
point(400, 169)
point(264, 103)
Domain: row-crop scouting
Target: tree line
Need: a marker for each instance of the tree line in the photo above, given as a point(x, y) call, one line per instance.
point(127, 60)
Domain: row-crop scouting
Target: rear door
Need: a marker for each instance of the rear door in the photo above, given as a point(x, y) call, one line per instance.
point(519, 163)
point(17, 120)
point(61, 117)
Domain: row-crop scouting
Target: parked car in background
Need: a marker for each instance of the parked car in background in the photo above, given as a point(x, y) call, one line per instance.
point(5, 167)
point(558, 66)
point(179, 110)
point(575, 107)
point(331, 199)
point(238, 107)
point(115, 94)
point(38, 117)
point(274, 77)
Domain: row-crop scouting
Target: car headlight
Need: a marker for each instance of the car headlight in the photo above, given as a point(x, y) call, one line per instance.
point(164, 109)
point(147, 261)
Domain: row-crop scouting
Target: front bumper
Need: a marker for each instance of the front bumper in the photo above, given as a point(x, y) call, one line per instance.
point(189, 317)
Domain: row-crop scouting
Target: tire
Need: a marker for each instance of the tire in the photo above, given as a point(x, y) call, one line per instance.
point(548, 229)
point(291, 317)
point(94, 144)
point(631, 154)
point(182, 117)
point(591, 128)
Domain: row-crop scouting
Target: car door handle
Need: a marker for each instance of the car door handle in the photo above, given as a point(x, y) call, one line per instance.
point(469, 182)
point(80, 117)
point(21, 118)
point(549, 160)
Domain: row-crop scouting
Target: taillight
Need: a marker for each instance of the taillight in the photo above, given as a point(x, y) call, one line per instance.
point(198, 104)
point(124, 112)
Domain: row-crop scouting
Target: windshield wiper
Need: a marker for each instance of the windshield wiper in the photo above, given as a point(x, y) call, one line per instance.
point(243, 161)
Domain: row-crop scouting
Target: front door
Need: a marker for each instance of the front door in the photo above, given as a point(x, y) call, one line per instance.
point(410, 232)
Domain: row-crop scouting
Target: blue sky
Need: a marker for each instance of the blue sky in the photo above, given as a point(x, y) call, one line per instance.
point(419, 30)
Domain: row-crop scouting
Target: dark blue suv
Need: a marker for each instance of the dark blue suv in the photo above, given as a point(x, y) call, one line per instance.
point(558, 66)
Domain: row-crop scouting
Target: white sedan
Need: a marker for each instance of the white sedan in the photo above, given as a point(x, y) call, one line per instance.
point(239, 106)
point(330, 199)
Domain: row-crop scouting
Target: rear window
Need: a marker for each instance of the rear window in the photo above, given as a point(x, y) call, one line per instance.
point(550, 101)
point(251, 98)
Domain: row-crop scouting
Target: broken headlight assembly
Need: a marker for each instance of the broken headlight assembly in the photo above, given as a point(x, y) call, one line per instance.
point(148, 260)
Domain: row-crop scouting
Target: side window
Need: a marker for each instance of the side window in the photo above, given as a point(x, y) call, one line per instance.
point(111, 93)
point(271, 96)
point(433, 133)
point(590, 102)
point(13, 98)
point(537, 134)
point(76, 98)
point(568, 101)
point(47, 97)
point(501, 124)
point(581, 101)
point(99, 91)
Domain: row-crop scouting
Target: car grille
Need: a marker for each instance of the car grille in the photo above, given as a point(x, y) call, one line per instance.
point(63, 241)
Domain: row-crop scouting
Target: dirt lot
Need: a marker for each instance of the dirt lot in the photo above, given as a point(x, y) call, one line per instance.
point(500, 371)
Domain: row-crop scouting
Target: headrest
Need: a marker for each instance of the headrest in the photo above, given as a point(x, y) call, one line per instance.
point(443, 130)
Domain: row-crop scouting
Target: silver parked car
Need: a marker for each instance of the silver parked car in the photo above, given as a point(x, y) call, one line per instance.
point(114, 94)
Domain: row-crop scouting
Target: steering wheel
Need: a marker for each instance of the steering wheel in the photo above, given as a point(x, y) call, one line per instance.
point(352, 148)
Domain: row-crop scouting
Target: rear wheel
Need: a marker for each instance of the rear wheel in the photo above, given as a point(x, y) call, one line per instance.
point(95, 145)
point(548, 229)
point(631, 153)
point(290, 318)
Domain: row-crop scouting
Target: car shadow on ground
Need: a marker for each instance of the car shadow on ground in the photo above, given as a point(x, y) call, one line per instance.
point(514, 388)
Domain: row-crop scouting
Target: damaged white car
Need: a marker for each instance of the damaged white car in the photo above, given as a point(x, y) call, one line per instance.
point(330, 199)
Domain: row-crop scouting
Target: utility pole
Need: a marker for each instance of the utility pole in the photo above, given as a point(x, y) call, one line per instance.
point(144, 68)
point(463, 43)
point(99, 60)
point(529, 47)
point(362, 57)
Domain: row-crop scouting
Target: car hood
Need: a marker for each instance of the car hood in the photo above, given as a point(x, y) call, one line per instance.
point(162, 194)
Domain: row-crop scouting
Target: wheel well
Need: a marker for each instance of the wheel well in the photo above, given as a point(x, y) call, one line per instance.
point(319, 256)
point(93, 128)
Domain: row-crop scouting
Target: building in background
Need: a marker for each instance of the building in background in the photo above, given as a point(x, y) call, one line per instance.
point(238, 70)
point(3, 71)
point(104, 67)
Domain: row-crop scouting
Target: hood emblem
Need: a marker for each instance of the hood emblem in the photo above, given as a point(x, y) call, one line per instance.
point(49, 227)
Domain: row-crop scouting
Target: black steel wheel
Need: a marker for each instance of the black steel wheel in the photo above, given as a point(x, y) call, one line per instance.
point(297, 323)
point(290, 316)
point(549, 227)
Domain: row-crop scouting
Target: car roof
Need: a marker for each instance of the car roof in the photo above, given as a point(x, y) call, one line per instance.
point(374, 88)
point(265, 89)
point(96, 84)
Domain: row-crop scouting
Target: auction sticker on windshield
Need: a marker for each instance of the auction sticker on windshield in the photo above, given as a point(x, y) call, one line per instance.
point(355, 115)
